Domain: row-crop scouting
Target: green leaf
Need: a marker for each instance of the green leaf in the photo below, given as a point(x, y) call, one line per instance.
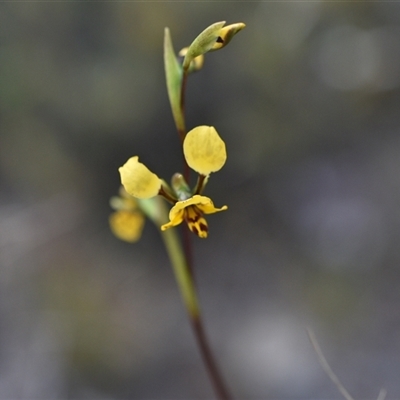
point(203, 43)
point(173, 75)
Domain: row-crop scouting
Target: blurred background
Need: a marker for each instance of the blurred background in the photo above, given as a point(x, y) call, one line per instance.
point(307, 100)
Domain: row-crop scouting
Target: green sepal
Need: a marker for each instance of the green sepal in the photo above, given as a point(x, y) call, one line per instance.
point(203, 43)
point(173, 76)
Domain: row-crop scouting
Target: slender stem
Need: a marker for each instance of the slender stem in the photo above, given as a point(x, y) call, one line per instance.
point(187, 247)
point(200, 184)
point(186, 285)
point(208, 359)
point(182, 272)
point(166, 195)
point(181, 260)
point(183, 90)
point(182, 135)
point(187, 243)
point(181, 127)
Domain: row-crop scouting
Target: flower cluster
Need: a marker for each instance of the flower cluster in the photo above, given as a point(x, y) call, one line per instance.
point(205, 153)
point(203, 149)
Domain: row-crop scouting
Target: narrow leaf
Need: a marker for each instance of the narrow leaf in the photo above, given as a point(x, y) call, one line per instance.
point(173, 75)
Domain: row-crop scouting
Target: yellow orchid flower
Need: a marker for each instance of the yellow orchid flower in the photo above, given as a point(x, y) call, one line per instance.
point(127, 222)
point(205, 153)
point(191, 210)
point(127, 225)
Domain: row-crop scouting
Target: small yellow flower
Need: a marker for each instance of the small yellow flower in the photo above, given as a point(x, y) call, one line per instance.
point(204, 150)
point(138, 180)
point(192, 210)
point(127, 225)
point(127, 221)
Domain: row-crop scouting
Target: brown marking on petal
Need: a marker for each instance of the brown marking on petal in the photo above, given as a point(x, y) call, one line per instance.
point(194, 219)
point(219, 40)
point(203, 226)
point(197, 224)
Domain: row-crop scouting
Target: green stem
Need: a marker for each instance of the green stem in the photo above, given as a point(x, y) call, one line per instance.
point(187, 288)
point(182, 265)
point(156, 210)
point(182, 272)
point(182, 134)
point(182, 94)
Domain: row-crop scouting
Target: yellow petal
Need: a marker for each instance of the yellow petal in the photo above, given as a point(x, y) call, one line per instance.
point(204, 150)
point(203, 203)
point(138, 180)
point(175, 216)
point(210, 209)
point(127, 225)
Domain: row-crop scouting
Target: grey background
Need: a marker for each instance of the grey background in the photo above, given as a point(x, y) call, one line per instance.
point(307, 100)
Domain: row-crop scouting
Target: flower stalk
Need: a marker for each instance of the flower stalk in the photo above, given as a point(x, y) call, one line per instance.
point(143, 192)
point(185, 281)
point(192, 306)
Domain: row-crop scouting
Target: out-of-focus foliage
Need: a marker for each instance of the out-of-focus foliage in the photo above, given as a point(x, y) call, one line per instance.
point(307, 100)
